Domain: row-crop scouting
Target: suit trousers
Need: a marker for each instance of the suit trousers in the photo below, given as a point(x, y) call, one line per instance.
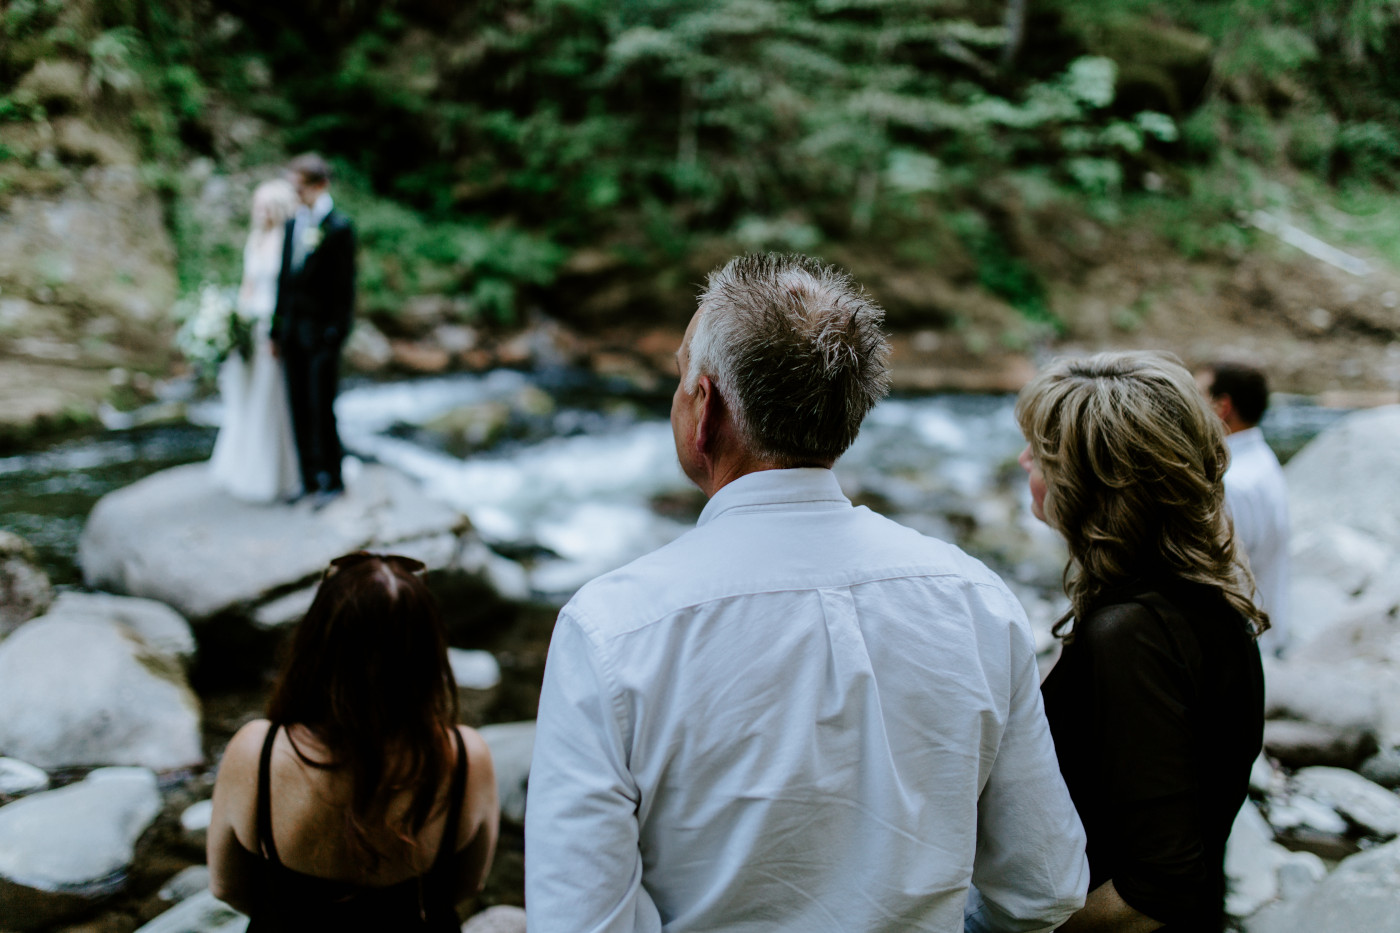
point(313, 377)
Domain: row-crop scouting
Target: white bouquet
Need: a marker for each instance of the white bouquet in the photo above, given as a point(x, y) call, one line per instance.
point(211, 328)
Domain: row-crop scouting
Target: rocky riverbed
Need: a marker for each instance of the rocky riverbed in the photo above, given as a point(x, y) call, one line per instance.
point(116, 698)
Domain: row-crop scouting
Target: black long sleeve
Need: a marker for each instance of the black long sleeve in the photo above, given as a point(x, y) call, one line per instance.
point(1156, 708)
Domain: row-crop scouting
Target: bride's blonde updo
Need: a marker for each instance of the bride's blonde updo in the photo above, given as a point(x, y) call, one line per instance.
point(277, 199)
point(1134, 461)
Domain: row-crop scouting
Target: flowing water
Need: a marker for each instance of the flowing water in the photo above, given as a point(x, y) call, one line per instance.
point(577, 474)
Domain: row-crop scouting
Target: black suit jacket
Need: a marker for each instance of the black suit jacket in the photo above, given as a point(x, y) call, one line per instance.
point(315, 303)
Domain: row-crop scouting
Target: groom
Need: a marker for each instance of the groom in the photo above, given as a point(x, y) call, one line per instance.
point(315, 301)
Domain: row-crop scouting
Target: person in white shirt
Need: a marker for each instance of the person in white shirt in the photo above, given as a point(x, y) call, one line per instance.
point(1255, 491)
point(798, 716)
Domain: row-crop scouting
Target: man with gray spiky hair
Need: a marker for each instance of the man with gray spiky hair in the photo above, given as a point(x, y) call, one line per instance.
point(798, 716)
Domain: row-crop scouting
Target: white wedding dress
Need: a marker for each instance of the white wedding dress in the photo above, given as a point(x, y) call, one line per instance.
point(254, 455)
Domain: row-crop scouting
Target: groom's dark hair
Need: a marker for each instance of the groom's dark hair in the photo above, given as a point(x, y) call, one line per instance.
point(311, 167)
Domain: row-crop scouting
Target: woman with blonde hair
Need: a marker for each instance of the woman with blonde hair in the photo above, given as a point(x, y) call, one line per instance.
point(1156, 703)
point(359, 803)
point(254, 455)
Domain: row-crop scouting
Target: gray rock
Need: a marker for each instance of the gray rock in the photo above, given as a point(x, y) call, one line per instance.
point(512, 746)
point(175, 537)
point(498, 919)
point(367, 350)
point(1297, 874)
point(25, 591)
point(18, 778)
point(1314, 603)
point(1322, 694)
point(62, 850)
point(1371, 807)
point(1302, 812)
point(1363, 893)
point(185, 884)
point(85, 691)
point(285, 610)
point(474, 670)
point(194, 822)
point(1320, 714)
point(1383, 768)
point(1300, 744)
point(199, 913)
point(1349, 558)
point(163, 630)
point(1251, 863)
point(1365, 449)
point(1264, 778)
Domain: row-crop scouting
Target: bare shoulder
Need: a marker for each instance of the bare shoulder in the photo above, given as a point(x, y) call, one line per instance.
point(245, 747)
point(478, 752)
point(236, 788)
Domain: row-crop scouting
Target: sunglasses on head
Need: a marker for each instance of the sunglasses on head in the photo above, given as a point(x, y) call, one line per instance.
point(346, 561)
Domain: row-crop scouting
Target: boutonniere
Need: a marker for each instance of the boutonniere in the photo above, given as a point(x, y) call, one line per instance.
point(311, 238)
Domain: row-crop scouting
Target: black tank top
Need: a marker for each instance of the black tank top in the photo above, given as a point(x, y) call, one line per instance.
point(294, 901)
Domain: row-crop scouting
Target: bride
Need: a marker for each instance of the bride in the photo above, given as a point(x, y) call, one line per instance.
point(254, 455)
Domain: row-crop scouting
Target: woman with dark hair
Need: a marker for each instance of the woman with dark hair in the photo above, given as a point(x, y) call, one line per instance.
point(358, 804)
point(1156, 704)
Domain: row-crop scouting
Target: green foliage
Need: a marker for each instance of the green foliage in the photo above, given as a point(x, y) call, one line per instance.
point(481, 144)
point(1001, 271)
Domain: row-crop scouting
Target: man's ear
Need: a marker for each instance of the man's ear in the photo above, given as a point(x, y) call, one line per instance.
point(1224, 407)
point(709, 416)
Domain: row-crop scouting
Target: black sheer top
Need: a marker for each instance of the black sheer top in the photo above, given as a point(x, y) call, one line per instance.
point(293, 901)
point(1157, 711)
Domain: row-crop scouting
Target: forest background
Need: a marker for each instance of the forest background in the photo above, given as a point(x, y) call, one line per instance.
point(1004, 175)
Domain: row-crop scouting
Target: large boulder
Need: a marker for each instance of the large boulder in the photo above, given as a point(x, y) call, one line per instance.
point(1362, 894)
point(1320, 714)
point(1349, 475)
point(161, 629)
point(512, 747)
point(25, 591)
point(176, 537)
point(62, 851)
point(84, 690)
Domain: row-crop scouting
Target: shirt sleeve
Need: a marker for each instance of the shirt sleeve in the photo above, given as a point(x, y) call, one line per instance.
point(1142, 685)
point(583, 867)
point(1029, 870)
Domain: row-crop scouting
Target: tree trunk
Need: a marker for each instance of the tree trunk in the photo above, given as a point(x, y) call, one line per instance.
point(1015, 23)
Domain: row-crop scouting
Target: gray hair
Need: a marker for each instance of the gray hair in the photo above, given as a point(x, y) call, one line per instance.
point(796, 351)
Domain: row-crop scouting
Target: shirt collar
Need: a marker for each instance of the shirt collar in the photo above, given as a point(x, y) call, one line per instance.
point(1249, 437)
point(318, 211)
point(776, 488)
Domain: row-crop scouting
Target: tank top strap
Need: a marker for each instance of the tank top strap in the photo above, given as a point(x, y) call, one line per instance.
point(265, 842)
point(448, 847)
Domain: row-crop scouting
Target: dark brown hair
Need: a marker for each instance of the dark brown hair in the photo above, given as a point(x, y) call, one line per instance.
point(311, 167)
point(368, 674)
point(1246, 386)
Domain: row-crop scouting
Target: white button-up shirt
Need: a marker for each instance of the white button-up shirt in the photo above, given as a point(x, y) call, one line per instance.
point(799, 716)
point(1257, 497)
point(304, 221)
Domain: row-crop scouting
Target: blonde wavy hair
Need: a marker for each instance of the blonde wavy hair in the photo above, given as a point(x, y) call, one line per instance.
point(1134, 461)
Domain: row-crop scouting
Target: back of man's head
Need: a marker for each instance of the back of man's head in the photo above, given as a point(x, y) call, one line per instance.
point(1245, 385)
point(312, 169)
point(796, 351)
